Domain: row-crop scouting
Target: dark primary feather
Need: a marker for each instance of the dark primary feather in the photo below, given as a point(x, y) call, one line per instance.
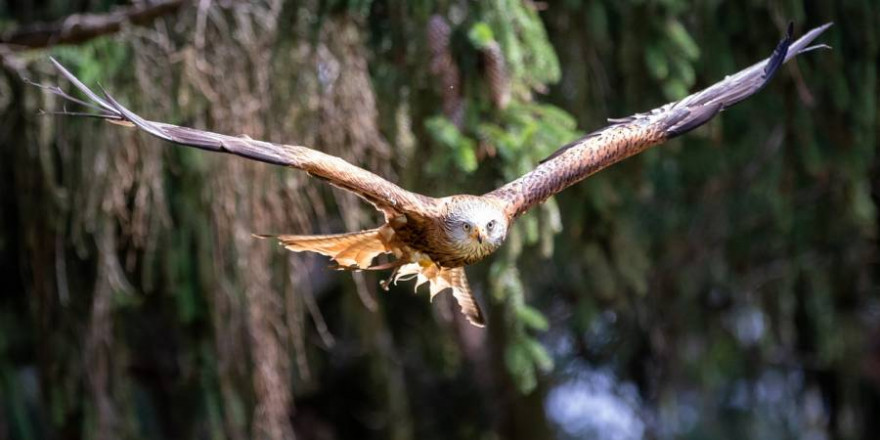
point(704, 105)
point(385, 195)
point(631, 135)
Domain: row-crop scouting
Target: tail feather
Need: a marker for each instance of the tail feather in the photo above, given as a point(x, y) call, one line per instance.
point(354, 250)
point(438, 280)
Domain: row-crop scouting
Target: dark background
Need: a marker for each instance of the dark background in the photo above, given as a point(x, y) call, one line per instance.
point(722, 286)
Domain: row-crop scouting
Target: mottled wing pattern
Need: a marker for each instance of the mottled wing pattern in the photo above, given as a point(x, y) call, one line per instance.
point(385, 195)
point(354, 250)
point(632, 135)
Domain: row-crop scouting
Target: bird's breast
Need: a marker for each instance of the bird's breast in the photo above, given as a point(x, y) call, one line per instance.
point(432, 240)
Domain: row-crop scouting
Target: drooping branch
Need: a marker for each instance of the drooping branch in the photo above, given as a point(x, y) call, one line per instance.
point(78, 28)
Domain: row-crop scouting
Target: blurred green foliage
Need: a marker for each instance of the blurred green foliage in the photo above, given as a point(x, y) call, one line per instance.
point(729, 277)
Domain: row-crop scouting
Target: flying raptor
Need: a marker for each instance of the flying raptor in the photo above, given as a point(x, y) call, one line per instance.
point(433, 239)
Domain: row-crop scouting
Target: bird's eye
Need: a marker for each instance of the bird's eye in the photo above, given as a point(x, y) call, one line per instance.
point(466, 226)
point(491, 225)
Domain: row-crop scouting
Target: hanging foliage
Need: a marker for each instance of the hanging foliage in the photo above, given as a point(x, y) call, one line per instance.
point(723, 283)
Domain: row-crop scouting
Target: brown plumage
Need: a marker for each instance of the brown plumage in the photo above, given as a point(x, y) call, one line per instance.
point(351, 250)
point(432, 239)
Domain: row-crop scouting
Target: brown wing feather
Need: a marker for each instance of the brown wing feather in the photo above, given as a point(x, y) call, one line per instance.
point(629, 136)
point(385, 195)
point(355, 250)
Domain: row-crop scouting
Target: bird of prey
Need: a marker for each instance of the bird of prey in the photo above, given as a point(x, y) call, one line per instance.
point(432, 239)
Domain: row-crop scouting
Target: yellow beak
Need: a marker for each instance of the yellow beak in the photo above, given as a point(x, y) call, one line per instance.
point(476, 235)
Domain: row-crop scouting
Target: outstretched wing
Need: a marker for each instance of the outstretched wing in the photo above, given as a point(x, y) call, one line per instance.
point(628, 136)
point(385, 195)
point(350, 251)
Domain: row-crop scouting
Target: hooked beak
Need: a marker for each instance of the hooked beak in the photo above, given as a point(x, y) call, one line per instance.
point(477, 235)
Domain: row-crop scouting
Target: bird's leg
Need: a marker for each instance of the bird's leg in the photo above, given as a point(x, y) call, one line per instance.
point(386, 283)
point(395, 267)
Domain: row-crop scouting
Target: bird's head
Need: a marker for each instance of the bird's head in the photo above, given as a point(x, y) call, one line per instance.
point(476, 225)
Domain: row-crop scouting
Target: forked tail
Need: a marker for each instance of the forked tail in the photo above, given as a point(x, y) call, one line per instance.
point(356, 251)
point(352, 251)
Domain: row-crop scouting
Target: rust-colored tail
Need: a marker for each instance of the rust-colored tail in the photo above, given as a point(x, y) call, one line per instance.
point(354, 250)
